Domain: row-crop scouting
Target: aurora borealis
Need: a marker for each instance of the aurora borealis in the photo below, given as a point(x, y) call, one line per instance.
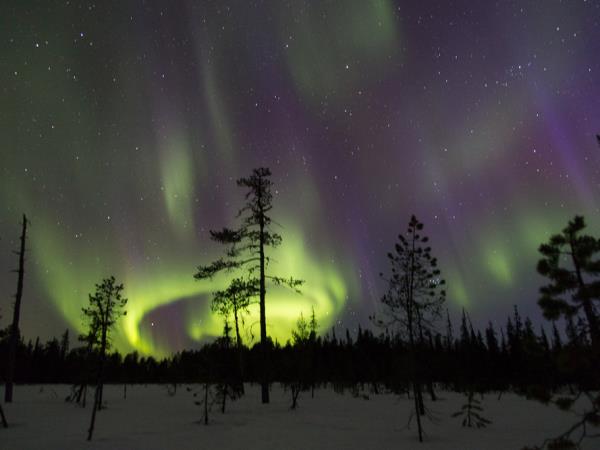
point(125, 125)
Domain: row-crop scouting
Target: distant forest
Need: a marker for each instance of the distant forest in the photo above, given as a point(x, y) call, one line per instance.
point(513, 357)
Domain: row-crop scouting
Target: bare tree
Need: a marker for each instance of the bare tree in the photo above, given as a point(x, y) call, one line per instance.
point(13, 340)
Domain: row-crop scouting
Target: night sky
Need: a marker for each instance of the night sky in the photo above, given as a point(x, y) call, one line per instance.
point(125, 124)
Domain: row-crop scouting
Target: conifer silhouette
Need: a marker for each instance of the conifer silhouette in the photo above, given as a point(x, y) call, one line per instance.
point(246, 250)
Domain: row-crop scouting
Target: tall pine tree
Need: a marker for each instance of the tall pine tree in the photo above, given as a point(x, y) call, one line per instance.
point(247, 250)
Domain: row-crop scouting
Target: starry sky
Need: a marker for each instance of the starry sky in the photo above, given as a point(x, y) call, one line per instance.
point(125, 125)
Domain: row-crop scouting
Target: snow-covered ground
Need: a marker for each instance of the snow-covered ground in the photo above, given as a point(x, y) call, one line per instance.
point(151, 419)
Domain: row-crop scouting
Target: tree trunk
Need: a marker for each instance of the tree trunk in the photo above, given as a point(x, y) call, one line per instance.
point(240, 350)
point(100, 397)
point(224, 400)
point(592, 323)
point(469, 405)
point(14, 329)
point(264, 385)
point(79, 399)
point(94, 409)
point(431, 391)
point(295, 395)
point(417, 396)
point(410, 310)
point(98, 393)
point(421, 402)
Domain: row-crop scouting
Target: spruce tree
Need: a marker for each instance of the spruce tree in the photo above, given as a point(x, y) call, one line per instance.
point(247, 250)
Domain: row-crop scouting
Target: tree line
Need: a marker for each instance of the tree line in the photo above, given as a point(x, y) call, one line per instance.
point(513, 356)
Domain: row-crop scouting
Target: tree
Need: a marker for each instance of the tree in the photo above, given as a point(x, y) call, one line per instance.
point(246, 250)
point(91, 339)
point(312, 325)
point(228, 383)
point(414, 299)
point(14, 329)
point(105, 308)
point(574, 272)
point(64, 344)
point(471, 412)
point(300, 363)
point(571, 264)
point(235, 300)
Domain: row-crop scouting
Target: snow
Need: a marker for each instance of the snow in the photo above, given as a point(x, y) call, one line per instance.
point(152, 419)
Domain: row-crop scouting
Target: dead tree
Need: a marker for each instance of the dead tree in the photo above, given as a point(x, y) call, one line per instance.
point(14, 337)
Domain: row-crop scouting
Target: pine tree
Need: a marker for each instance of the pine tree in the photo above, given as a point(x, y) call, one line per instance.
point(246, 249)
point(414, 299)
point(106, 306)
point(570, 262)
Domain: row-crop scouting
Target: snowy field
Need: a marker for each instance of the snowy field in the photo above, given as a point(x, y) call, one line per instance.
point(152, 419)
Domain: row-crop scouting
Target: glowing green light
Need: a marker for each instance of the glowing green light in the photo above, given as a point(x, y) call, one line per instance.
point(69, 274)
point(178, 181)
point(457, 291)
point(220, 123)
point(498, 263)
